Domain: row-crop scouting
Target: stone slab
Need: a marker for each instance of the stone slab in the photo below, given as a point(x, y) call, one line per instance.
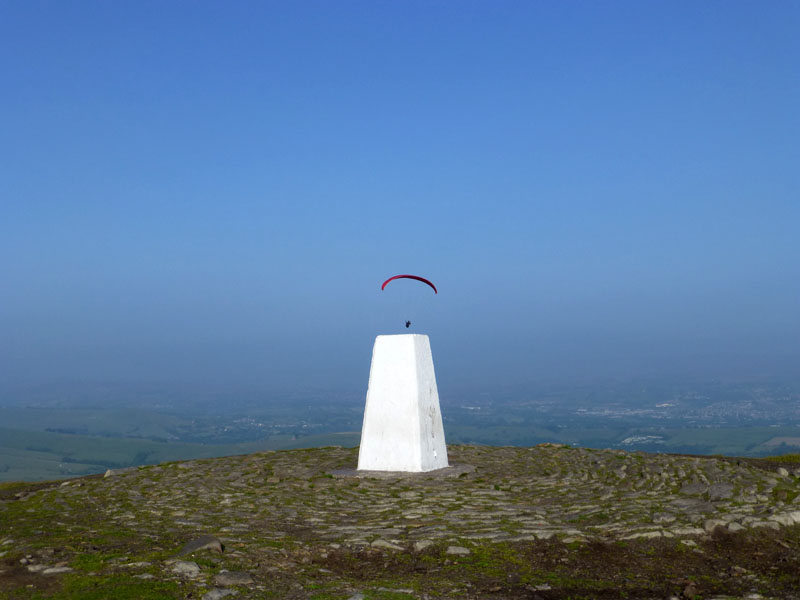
point(449, 471)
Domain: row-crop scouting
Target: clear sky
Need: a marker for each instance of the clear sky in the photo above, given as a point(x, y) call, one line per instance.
point(214, 191)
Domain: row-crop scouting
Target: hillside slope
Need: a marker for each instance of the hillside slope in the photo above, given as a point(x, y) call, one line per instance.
point(543, 522)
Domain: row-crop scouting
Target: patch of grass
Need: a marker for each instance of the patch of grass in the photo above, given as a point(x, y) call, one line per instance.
point(387, 595)
point(10, 487)
point(90, 562)
point(564, 580)
point(82, 587)
point(493, 560)
point(327, 596)
point(785, 493)
point(784, 458)
point(211, 564)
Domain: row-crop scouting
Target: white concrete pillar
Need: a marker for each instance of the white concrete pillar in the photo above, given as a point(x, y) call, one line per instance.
point(402, 428)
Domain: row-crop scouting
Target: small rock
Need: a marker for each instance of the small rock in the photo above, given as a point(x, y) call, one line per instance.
point(37, 568)
point(233, 578)
point(738, 571)
point(204, 542)
point(664, 518)
point(389, 531)
point(185, 568)
point(690, 591)
point(643, 535)
point(218, 593)
point(386, 545)
point(720, 491)
point(787, 519)
point(693, 488)
point(711, 524)
point(422, 544)
point(681, 531)
point(112, 472)
point(458, 550)
point(573, 539)
point(56, 570)
point(356, 596)
point(782, 472)
point(144, 576)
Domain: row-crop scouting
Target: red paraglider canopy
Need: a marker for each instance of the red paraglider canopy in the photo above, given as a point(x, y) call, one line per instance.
point(422, 279)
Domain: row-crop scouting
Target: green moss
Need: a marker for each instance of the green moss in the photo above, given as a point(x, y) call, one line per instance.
point(784, 458)
point(83, 587)
point(89, 562)
point(387, 595)
point(10, 487)
point(560, 579)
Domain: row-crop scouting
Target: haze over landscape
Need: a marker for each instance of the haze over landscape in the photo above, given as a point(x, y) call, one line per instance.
point(199, 202)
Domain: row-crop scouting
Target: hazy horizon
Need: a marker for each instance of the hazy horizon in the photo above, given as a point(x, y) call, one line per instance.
point(212, 194)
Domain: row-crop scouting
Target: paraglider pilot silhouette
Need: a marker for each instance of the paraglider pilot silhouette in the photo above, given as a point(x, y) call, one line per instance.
point(422, 279)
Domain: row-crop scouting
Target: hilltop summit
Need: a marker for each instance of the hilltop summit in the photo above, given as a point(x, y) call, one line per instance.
point(543, 522)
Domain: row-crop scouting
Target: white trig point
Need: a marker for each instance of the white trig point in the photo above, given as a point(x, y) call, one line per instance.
point(402, 428)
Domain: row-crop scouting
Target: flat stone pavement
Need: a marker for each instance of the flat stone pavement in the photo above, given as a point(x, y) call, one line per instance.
point(494, 494)
point(512, 494)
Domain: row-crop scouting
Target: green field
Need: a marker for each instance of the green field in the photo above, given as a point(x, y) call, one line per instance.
point(37, 456)
point(52, 442)
point(42, 455)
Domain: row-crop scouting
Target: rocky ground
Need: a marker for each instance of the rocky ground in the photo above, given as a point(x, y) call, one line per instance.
point(547, 522)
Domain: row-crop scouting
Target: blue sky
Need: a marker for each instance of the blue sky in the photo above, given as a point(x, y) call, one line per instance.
point(214, 191)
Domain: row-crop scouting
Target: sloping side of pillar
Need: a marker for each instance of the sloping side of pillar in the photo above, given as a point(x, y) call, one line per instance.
point(402, 428)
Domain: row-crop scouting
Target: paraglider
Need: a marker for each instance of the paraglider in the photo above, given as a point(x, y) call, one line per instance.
point(415, 277)
point(422, 279)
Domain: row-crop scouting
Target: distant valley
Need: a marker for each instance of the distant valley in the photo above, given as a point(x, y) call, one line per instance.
point(61, 431)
